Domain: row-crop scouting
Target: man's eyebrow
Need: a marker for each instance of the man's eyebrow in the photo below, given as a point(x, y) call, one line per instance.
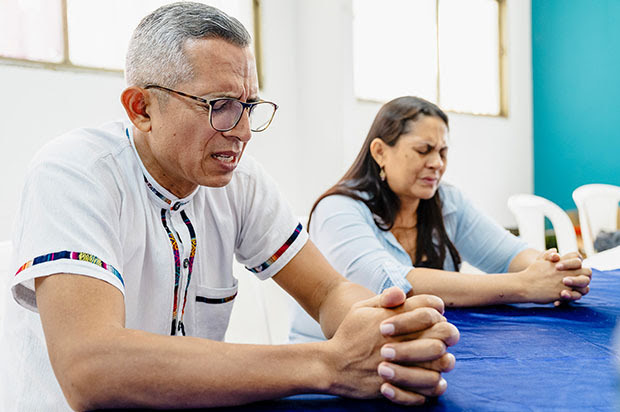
point(224, 95)
point(218, 95)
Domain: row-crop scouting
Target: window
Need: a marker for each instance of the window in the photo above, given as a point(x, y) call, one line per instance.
point(446, 51)
point(84, 34)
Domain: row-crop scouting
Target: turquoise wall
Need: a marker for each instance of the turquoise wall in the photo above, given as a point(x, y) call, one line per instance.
point(576, 77)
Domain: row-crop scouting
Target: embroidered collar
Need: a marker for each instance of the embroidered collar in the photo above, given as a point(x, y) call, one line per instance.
point(160, 195)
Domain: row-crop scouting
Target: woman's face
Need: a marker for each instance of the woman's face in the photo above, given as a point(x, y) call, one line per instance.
point(415, 164)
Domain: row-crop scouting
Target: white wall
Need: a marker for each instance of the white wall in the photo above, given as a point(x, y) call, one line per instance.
point(35, 106)
point(319, 127)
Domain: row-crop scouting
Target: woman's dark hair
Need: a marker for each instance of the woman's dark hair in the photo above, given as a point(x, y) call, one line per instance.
point(362, 182)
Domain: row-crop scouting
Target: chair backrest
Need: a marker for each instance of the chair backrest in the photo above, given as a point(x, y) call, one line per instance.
point(597, 205)
point(530, 212)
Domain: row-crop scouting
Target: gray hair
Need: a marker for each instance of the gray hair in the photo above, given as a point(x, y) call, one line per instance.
point(156, 49)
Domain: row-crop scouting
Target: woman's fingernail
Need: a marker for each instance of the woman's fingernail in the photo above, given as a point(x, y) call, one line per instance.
point(388, 353)
point(385, 371)
point(387, 391)
point(567, 281)
point(387, 328)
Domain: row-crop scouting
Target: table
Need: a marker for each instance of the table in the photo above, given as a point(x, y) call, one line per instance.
point(517, 358)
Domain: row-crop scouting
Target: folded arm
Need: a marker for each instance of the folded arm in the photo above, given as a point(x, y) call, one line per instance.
point(100, 363)
point(534, 277)
point(393, 345)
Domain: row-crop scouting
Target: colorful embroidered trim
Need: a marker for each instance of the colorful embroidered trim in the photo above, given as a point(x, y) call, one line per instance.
point(174, 206)
point(157, 193)
point(279, 253)
point(192, 253)
point(215, 300)
point(84, 257)
point(177, 270)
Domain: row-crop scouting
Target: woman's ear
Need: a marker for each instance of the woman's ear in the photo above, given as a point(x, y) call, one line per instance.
point(135, 100)
point(377, 150)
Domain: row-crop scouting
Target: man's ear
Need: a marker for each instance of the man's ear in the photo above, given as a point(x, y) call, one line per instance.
point(377, 150)
point(135, 100)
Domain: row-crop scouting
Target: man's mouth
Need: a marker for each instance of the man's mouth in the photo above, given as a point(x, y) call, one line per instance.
point(224, 158)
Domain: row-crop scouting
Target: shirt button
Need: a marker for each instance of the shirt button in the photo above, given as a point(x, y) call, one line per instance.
point(185, 263)
point(176, 206)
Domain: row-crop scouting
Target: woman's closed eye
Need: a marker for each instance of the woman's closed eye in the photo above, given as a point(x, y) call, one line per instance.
point(424, 150)
point(443, 152)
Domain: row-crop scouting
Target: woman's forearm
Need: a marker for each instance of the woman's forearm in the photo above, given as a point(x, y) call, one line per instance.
point(460, 289)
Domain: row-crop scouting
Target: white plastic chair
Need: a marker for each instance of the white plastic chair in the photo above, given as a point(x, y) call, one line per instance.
point(598, 210)
point(530, 212)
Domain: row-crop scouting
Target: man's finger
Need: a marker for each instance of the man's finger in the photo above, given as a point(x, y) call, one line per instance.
point(400, 396)
point(444, 364)
point(421, 301)
point(389, 298)
point(412, 378)
point(392, 297)
point(570, 295)
point(444, 331)
point(416, 320)
point(419, 350)
point(583, 291)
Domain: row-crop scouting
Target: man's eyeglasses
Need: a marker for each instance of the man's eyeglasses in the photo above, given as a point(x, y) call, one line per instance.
point(225, 112)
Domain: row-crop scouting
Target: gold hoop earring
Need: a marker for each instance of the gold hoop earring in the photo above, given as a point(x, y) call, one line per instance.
point(382, 174)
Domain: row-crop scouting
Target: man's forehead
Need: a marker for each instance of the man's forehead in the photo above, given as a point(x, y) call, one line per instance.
point(225, 67)
point(217, 52)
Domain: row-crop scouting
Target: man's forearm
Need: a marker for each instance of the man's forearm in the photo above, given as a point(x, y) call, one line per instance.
point(101, 364)
point(337, 304)
point(130, 368)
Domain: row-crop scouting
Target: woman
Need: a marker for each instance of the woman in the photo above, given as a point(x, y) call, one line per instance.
point(389, 221)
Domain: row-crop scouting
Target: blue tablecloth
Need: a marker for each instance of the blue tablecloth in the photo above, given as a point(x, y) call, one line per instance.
point(517, 358)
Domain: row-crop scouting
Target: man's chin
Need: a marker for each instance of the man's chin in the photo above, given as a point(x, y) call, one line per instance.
point(219, 181)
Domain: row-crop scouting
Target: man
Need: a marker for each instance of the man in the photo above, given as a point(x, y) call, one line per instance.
point(126, 236)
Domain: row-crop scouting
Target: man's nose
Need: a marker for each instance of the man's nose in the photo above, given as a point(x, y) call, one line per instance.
point(242, 130)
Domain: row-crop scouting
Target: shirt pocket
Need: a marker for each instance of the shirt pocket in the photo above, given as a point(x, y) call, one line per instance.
point(213, 308)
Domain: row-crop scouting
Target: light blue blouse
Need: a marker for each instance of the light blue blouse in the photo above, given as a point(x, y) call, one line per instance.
point(345, 232)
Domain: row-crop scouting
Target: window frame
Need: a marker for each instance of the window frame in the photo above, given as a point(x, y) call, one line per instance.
point(502, 66)
point(67, 65)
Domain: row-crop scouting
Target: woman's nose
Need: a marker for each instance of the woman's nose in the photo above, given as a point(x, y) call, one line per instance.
point(435, 161)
